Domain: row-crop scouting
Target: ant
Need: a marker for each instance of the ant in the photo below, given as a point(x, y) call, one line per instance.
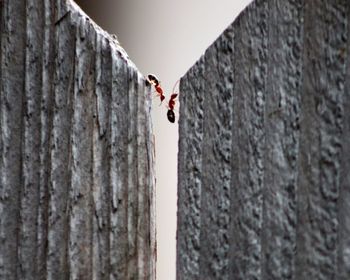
point(170, 114)
point(154, 81)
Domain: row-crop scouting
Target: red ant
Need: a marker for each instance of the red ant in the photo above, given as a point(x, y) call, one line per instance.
point(154, 81)
point(170, 114)
point(171, 105)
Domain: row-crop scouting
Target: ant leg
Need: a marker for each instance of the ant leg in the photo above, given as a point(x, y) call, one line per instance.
point(178, 81)
point(156, 94)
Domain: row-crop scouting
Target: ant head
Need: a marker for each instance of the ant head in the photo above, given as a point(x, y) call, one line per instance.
point(153, 79)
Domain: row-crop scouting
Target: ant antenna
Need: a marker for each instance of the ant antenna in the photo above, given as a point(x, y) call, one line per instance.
point(175, 86)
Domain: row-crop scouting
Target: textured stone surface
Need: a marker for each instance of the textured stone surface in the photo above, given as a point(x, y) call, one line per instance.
point(264, 147)
point(77, 164)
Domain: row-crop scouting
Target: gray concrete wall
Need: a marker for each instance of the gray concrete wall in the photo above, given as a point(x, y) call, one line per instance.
point(77, 157)
point(264, 149)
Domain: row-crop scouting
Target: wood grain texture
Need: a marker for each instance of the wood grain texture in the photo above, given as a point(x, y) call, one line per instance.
point(13, 60)
point(215, 205)
point(77, 164)
point(322, 115)
point(190, 173)
point(282, 128)
point(275, 115)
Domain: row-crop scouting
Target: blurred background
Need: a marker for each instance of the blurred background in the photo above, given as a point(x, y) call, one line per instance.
point(164, 37)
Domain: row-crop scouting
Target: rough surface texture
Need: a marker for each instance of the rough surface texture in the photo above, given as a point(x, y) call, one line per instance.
point(264, 149)
point(77, 163)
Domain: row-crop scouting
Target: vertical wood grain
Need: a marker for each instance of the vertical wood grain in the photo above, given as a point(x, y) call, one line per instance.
point(77, 163)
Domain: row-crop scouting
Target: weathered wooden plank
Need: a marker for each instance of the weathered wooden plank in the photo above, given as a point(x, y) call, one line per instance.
point(46, 103)
point(60, 174)
point(80, 193)
point(217, 138)
point(27, 239)
point(119, 126)
point(150, 192)
point(192, 88)
point(282, 130)
point(250, 59)
point(143, 221)
point(13, 36)
point(321, 130)
point(289, 155)
point(101, 150)
point(132, 155)
point(343, 252)
point(77, 162)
